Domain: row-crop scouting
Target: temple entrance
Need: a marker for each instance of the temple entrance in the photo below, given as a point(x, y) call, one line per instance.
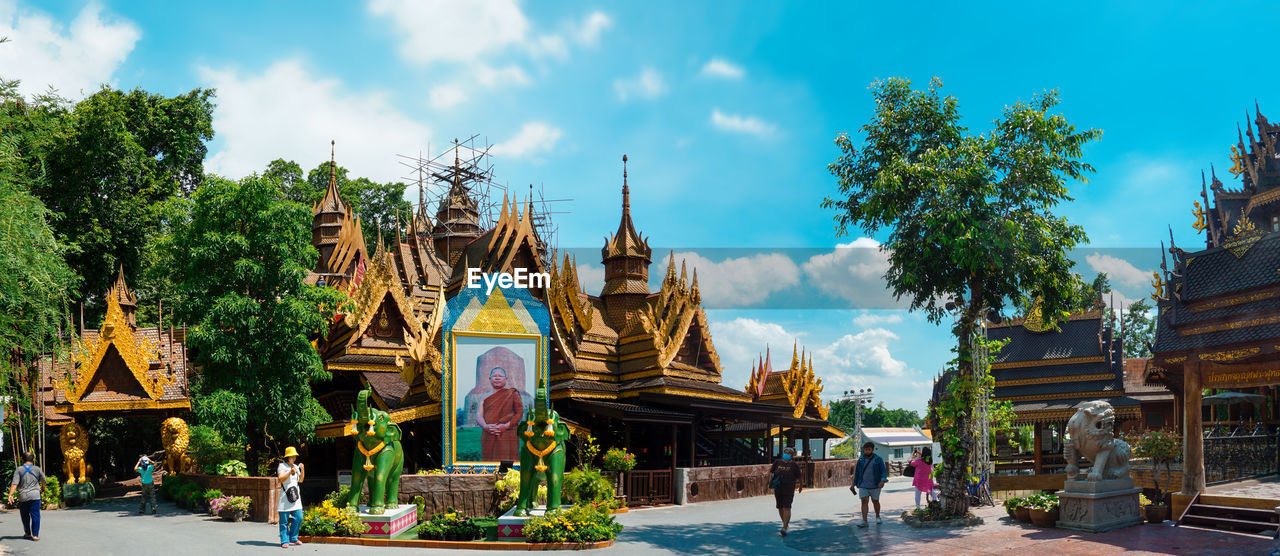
point(649, 488)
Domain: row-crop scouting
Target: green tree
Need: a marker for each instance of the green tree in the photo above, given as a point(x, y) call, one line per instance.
point(842, 416)
point(107, 162)
point(969, 221)
point(288, 174)
point(244, 259)
point(1139, 329)
point(379, 205)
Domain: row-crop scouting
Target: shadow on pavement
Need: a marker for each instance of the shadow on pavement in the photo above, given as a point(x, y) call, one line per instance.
point(257, 543)
point(759, 537)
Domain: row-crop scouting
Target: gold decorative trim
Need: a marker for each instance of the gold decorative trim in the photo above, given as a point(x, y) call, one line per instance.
point(1062, 396)
point(1054, 379)
point(686, 392)
point(639, 355)
point(1233, 325)
point(1048, 362)
point(384, 352)
point(137, 352)
point(414, 413)
point(1064, 414)
point(1177, 359)
point(669, 372)
point(361, 367)
point(1230, 355)
point(578, 394)
point(86, 407)
point(1237, 300)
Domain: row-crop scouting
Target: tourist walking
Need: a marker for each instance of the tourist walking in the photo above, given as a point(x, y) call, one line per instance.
point(785, 477)
point(290, 474)
point(146, 474)
point(28, 481)
point(923, 477)
point(869, 476)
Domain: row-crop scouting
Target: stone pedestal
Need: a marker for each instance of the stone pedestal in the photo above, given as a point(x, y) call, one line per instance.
point(1099, 506)
point(393, 521)
point(511, 528)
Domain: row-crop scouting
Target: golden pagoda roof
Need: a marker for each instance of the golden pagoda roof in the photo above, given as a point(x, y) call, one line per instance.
point(626, 242)
point(798, 386)
point(332, 200)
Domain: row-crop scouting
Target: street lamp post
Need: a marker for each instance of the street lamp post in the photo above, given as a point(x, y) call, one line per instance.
point(860, 397)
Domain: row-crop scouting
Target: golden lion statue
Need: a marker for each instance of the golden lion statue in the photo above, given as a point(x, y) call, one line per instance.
point(74, 440)
point(173, 434)
point(1089, 434)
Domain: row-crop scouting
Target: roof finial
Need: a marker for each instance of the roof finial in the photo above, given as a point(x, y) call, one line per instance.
point(333, 164)
point(626, 190)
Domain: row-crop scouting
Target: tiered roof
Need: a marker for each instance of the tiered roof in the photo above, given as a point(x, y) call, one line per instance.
point(1046, 374)
point(797, 387)
point(1222, 304)
point(118, 367)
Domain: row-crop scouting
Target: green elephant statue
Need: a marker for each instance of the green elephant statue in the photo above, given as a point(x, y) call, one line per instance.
point(379, 457)
point(541, 454)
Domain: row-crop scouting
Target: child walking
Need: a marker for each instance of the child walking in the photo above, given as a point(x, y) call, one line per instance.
point(922, 480)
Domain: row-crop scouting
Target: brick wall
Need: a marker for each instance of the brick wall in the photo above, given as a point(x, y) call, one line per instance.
point(707, 484)
point(473, 495)
point(264, 491)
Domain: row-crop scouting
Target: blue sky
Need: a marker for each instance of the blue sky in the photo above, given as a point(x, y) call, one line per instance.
point(727, 111)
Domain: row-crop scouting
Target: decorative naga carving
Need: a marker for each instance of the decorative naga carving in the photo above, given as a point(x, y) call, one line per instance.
point(542, 454)
point(1089, 434)
point(378, 458)
point(74, 440)
point(174, 436)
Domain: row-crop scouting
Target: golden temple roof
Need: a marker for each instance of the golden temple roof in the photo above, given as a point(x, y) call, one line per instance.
point(626, 242)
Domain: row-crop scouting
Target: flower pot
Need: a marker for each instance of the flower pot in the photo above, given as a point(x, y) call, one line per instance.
point(1023, 514)
point(1042, 518)
point(1156, 514)
point(233, 515)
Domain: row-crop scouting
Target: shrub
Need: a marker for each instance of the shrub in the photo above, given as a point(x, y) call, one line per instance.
point(450, 526)
point(208, 449)
point(169, 486)
point(619, 460)
point(1011, 504)
point(211, 494)
point(338, 498)
point(233, 468)
point(52, 495)
point(234, 503)
point(509, 487)
point(326, 520)
point(1162, 447)
point(583, 486)
point(581, 523)
point(1143, 500)
point(1043, 501)
point(421, 503)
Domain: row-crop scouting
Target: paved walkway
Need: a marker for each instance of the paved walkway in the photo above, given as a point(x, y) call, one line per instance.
point(822, 523)
point(1266, 487)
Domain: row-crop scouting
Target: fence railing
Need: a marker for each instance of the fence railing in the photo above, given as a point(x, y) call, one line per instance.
point(1240, 456)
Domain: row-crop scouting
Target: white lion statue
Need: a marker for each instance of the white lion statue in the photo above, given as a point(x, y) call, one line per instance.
point(1089, 434)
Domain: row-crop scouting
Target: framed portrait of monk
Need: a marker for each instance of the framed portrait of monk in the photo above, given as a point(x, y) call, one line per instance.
point(494, 378)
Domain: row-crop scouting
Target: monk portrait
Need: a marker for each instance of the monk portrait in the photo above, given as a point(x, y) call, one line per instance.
point(498, 417)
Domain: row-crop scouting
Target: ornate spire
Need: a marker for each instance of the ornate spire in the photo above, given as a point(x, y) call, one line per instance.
point(626, 255)
point(127, 300)
point(332, 201)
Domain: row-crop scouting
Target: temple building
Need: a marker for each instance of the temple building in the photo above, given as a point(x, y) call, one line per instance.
point(1218, 330)
point(621, 361)
point(1046, 374)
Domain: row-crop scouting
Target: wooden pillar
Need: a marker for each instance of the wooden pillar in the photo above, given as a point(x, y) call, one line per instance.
point(693, 443)
point(1193, 433)
point(1039, 454)
point(806, 444)
point(674, 445)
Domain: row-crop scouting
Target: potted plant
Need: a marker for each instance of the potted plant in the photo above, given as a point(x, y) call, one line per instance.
point(1043, 509)
point(230, 508)
point(1162, 447)
point(619, 460)
point(1011, 504)
point(1022, 510)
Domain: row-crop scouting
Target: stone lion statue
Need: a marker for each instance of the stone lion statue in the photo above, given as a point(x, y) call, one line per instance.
point(74, 440)
point(1089, 434)
point(173, 434)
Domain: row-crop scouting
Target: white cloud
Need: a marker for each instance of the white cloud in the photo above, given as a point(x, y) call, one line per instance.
point(1118, 269)
point(736, 123)
point(548, 46)
point(742, 341)
point(592, 26)
point(534, 138)
point(737, 281)
point(74, 60)
point(258, 123)
point(721, 68)
point(591, 278)
point(498, 77)
point(854, 271)
point(442, 30)
point(446, 96)
point(863, 354)
point(853, 360)
point(868, 319)
point(648, 85)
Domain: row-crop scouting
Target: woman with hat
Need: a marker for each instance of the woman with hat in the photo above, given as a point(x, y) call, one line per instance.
point(290, 505)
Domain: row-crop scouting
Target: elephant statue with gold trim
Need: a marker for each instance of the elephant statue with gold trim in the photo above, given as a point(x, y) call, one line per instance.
point(379, 457)
point(542, 453)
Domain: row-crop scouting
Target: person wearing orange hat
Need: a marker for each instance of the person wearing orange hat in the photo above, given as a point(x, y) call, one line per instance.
point(290, 505)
